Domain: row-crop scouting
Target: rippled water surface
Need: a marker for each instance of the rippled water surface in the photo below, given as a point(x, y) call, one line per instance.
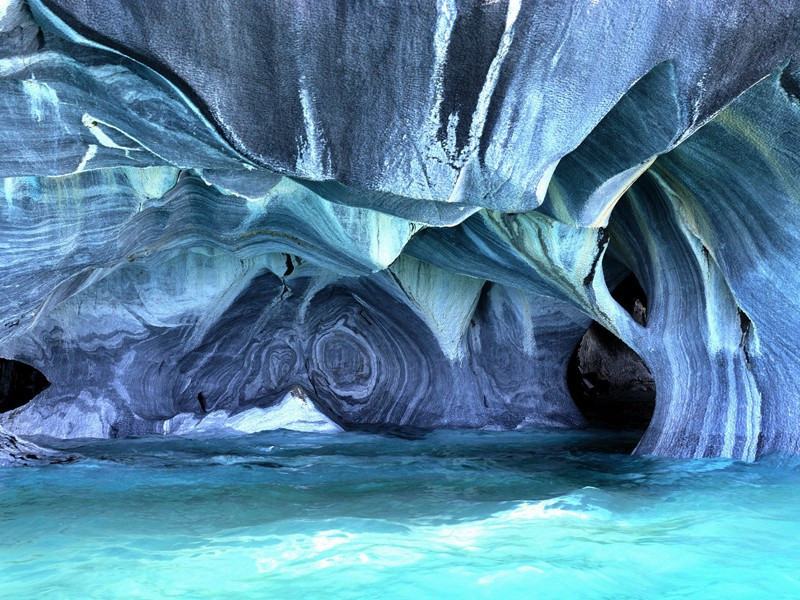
point(447, 515)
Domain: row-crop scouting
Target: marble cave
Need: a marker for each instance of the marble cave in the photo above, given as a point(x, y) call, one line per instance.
point(408, 214)
point(399, 298)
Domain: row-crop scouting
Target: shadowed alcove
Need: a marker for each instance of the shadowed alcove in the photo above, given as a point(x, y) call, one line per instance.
point(19, 384)
point(609, 382)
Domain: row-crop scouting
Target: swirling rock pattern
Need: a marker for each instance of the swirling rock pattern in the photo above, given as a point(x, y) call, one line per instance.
point(411, 211)
point(148, 348)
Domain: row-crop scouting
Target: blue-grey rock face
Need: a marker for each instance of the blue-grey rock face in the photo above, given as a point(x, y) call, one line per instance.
point(459, 101)
point(409, 211)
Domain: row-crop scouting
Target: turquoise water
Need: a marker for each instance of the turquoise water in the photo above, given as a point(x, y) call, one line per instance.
point(448, 515)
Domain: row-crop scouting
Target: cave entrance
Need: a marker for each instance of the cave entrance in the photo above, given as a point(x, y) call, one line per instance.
point(609, 382)
point(19, 383)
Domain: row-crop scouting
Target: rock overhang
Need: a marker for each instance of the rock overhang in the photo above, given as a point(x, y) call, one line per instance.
point(361, 217)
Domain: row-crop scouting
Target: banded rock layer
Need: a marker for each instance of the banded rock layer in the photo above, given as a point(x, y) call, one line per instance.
point(410, 211)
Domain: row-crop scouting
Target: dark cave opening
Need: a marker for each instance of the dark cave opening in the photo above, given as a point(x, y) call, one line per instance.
point(19, 384)
point(609, 382)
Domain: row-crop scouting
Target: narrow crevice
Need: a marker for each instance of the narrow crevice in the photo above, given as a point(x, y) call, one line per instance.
point(602, 241)
point(289, 265)
point(746, 325)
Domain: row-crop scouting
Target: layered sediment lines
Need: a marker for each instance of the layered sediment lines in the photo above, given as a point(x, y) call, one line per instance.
point(409, 212)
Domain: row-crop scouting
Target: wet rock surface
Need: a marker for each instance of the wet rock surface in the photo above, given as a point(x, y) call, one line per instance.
point(15, 452)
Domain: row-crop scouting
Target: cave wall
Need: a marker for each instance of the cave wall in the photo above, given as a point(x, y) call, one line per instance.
point(150, 300)
point(411, 211)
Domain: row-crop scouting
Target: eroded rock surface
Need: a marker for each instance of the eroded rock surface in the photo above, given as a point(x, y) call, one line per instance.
point(412, 211)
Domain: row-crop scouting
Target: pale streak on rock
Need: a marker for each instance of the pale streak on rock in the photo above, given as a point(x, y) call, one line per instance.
point(446, 301)
point(296, 412)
